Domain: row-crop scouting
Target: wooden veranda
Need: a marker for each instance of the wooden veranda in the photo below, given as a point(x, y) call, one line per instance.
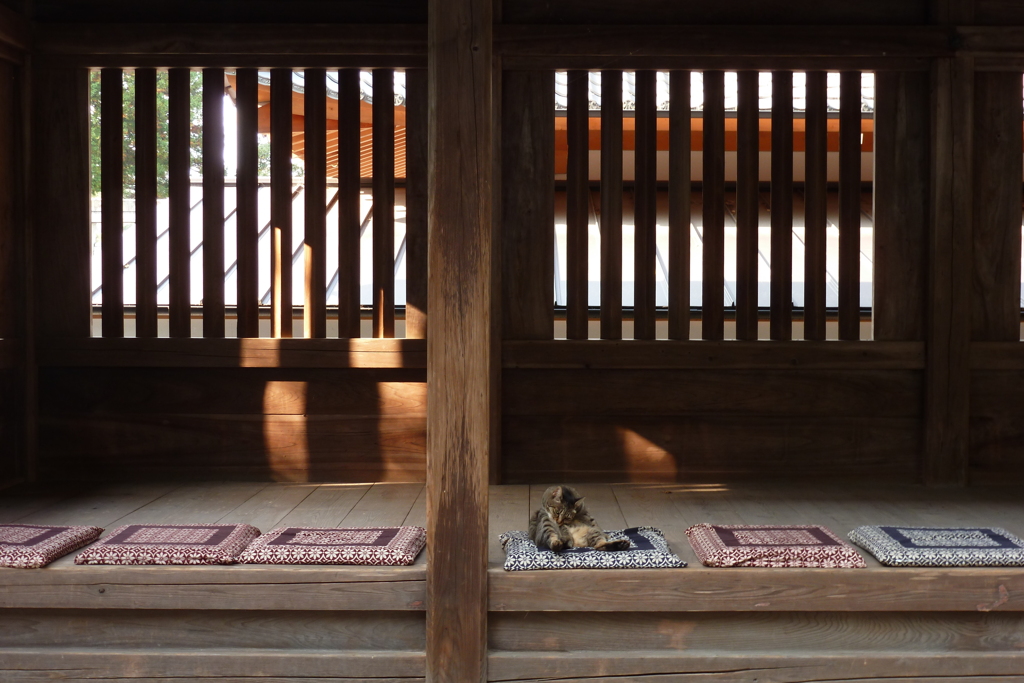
point(751, 407)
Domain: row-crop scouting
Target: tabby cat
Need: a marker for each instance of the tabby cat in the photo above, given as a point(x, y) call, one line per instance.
point(563, 522)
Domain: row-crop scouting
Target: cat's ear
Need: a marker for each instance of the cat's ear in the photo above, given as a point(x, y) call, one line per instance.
point(556, 496)
point(579, 504)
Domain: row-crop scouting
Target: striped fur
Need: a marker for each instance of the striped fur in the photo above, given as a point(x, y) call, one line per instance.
point(563, 522)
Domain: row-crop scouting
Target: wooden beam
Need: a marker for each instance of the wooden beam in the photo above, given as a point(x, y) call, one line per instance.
point(947, 377)
point(782, 207)
point(528, 204)
point(179, 127)
point(901, 204)
point(679, 206)
point(577, 206)
point(145, 203)
point(247, 201)
point(349, 218)
point(610, 220)
point(815, 204)
point(713, 294)
point(315, 182)
point(281, 202)
point(747, 204)
point(383, 289)
point(213, 202)
point(416, 204)
point(112, 210)
point(645, 205)
point(849, 204)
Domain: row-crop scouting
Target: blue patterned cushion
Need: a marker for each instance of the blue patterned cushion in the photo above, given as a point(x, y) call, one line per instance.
point(647, 550)
point(914, 546)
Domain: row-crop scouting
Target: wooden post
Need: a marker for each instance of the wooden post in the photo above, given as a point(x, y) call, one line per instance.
point(213, 202)
point(645, 192)
point(315, 233)
point(383, 203)
point(281, 202)
point(462, 344)
point(782, 206)
point(577, 210)
point(415, 204)
point(179, 209)
point(145, 203)
point(815, 204)
point(246, 197)
point(747, 205)
point(348, 203)
point(679, 188)
point(611, 205)
point(849, 204)
point(112, 211)
point(713, 294)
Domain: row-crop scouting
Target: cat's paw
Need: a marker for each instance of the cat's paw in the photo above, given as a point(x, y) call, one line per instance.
point(556, 544)
point(622, 544)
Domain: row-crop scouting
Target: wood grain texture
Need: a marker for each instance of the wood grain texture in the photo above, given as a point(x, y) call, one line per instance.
point(610, 220)
point(947, 335)
point(996, 435)
point(849, 204)
point(747, 205)
point(900, 205)
point(463, 348)
point(645, 205)
point(13, 265)
point(281, 186)
point(996, 235)
point(679, 193)
point(528, 204)
point(781, 322)
point(577, 210)
point(112, 210)
point(349, 219)
point(60, 202)
point(315, 182)
point(246, 200)
point(815, 203)
point(416, 204)
point(213, 202)
point(179, 126)
point(145, 203)
point(713, 282)
point(383, 289)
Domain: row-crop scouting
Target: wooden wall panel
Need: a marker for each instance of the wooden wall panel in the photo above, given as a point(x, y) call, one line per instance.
point(997, 431)
point(528, 204)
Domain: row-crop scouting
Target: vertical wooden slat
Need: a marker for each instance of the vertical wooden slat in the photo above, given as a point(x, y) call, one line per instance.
point(781, 326)
point(815, 204)
point(747, 150)
point(348, 203)
point(112, 211)
point(60, 202)
point(645, 217)
point(713, 294)
point(416, 204)
point(213, 202)
point(246, 198)
point(528, 204)
point(179, 209)
point(995, 303)
point(281, 202)
point(849, 204)
point(315, 180)
point(145, 203)
point(611, 205)
point(462, 350)
point(577, 209)
point(900, 211)
point(383, 203)
point(948, 332)
point(679, 203)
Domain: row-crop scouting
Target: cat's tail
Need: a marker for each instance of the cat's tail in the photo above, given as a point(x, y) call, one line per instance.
point(621, 544)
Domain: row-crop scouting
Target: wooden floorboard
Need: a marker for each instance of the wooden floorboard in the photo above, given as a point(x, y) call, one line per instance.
point(384, 505)
point(326, 506)
point(268, 507)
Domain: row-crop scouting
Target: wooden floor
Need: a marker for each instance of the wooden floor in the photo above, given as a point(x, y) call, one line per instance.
point(278, 623)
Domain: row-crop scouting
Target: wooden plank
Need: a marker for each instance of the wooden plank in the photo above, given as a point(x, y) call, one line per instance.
point(996, 356)
point(713, 284)
point(265, 353)
point(12, 233)
point(383, 505)
point(145, 203)
point(725, 354)
point(747, 188)
point(782, 206)
point(247, 203)
point(213, 202)
point(577, 218)
point(996, 241)
point(112, 211)
point(849, 204)
point(349, 220)
point(815, 203)
point(267, 508)
point(179, 127)
point(60, 202)
point(645, 205)
point(901, 178)
point(416, 203)
point(463, 377)
point(724, 63)
point(528, 204)
point(611, 205)
point(383, 290)
point(281, 185)
point(315, 183)
point(947, 334)
point(325, 506)
point(101, 507)
point(679, 193)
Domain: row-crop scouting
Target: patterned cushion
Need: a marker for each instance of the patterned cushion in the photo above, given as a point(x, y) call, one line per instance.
point(390, 545)
point(30, 546)
point(737, 545)
point(170, 544)
point(647, 550)
point(912, 546)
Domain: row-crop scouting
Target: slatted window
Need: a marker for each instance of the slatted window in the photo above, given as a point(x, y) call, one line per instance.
point(258, 203)
point(744, 211)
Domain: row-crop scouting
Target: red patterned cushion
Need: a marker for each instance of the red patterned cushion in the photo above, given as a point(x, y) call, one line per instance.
point(171, 544)
point(30, 546)
point(391, 545)
point(737, 545)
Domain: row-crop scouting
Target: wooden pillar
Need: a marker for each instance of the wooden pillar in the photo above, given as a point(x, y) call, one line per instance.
point(462, 341)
